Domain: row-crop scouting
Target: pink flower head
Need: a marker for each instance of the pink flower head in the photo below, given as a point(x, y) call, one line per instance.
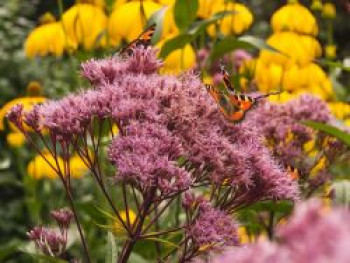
point(163, 118)
point(312, 235)
point(144, 60)
point(213, 227)
point(48, 241)
point(15, 115)
point(63, 217)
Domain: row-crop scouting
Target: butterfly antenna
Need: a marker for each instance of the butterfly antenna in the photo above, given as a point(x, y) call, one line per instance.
point(269, 94)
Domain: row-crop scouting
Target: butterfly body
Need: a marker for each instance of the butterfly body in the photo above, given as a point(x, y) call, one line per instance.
point(233, 105)
point(144, 39)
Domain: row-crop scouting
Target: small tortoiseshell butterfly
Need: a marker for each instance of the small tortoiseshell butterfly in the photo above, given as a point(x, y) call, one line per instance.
point(144, 39)
point(233, 105)
point(293, 172)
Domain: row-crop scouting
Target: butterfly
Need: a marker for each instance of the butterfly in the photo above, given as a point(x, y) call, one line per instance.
point(293, 172)
point(144, 39)
point(233, 105)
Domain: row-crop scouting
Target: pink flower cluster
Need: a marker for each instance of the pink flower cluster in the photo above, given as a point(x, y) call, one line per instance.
point(163, 118)
point(312, 235)
point(213, 227)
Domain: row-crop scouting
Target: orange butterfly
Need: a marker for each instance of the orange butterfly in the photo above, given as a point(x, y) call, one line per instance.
point(233, 105)
point(144, 39)
point(293, 172)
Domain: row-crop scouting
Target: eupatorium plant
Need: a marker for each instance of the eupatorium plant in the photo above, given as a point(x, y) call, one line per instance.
point(172, 144)
point(313, 234)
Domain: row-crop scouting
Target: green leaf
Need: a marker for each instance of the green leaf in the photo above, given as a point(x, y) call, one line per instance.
point(200, 26)
point(336, 64)
point(258, 43)
point(330, 130)
point(135, 258)
point(341, 192)
point(163, 241)
point(282, 207)
point(111, 253)
point(185, 12)
point(9, 248)
point(157, 18)
point(231, 43)
point(175, 43)
point(226, 45)
point(181, 40)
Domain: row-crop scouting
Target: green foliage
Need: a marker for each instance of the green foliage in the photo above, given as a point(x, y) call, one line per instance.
point(330, 130)
point(185, 12)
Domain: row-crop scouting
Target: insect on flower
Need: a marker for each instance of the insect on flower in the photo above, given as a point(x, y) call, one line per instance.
point(233, 105)
point(293, 172)
point(144, 39)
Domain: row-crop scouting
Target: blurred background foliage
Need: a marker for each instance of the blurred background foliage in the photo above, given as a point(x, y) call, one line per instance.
point(30, 78)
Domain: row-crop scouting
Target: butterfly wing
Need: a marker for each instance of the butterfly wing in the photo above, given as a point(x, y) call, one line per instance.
point(230, 111)
point(144, 39)
point(242, 101)
point(226, 79)
point(293, 172)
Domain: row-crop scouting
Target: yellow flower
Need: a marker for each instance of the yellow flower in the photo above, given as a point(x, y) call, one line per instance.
point(15, 139)
point(234, 24)
point(47, 18)
point(85, 25)
point(34, 88)
point(178, 60)
point(340, 110)
point(206, 8)
point(117, 227)
point(315, 80)
point(169, 25)
point(297, 49)
point(77, 167)
point(98, 3)
point(28, 104)
point(243, 235)
point(295, 18)
point(127, 22)
point(316, 5)
point(310, 149)
point(47, 39)
point(331, 51)
point(166, 2)
point(329, 11)
point(38, 168)
point(320, 165)
point(283, 97)
point(268, 77)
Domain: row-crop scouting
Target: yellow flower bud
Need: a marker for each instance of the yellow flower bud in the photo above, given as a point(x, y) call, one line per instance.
point(316, 5)
point(34, 88)
point(331, 51)
point(329, 11)
point(47, 18)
